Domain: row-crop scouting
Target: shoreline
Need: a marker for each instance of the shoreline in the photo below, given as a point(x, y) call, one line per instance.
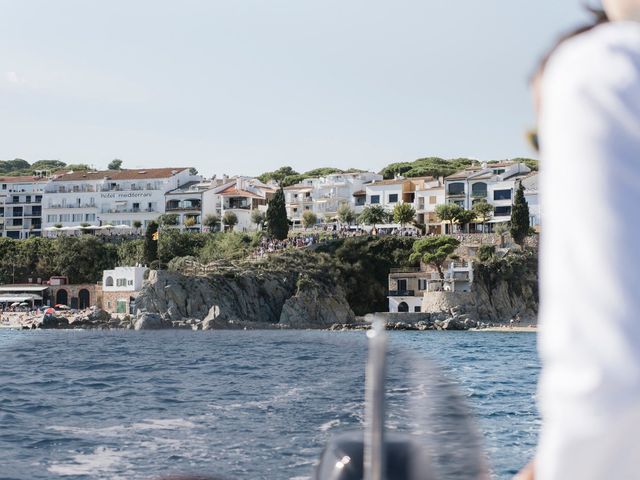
point(507, 329)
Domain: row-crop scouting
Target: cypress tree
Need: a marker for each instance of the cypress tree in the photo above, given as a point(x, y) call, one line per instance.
point(276, 217)
point(150, 248)
point(519, 217)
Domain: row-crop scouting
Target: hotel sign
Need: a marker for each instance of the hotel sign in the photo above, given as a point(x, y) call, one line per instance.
point(125, 195)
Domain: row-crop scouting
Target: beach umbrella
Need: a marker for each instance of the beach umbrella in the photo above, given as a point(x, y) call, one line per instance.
point(49, 311)
point(52, 229)
point(123, 227)
point(24, 304)
point(60, 306)
point(15, 304)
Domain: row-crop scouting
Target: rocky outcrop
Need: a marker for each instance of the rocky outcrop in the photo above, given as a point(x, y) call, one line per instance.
point(317, 308)
point(503, 289)
point(248, 298)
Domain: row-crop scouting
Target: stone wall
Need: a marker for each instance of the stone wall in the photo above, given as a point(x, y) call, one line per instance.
point(110, 301)
point(435, 302)
point(76, 296)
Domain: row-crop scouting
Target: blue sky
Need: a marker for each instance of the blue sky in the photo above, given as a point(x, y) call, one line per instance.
point(244, 86)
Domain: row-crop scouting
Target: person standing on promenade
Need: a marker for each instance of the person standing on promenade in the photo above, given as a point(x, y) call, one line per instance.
point(589, 342)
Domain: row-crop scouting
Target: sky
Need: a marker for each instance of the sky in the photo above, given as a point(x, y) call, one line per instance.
point(247, 86)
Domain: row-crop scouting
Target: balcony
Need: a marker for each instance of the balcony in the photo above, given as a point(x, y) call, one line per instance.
point(456, 194)
point(405, 270)
point(59, 205)
point(128, 210)
point(478, 194)
point(402, 293)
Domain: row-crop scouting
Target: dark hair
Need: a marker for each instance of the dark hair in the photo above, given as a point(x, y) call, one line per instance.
point(599, 17)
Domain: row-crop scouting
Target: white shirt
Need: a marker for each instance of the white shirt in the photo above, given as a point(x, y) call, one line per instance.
point(589, 390)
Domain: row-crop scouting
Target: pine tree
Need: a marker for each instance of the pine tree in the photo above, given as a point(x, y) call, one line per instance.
point(519, 217)
point(150, 248)
point(276, 217)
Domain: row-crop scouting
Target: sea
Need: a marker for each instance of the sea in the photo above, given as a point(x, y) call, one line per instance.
point(82, 404)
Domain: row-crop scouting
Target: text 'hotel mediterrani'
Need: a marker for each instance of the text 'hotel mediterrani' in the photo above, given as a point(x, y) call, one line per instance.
point(113, 197)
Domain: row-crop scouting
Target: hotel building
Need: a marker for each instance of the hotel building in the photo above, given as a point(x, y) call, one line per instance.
point(111, 197)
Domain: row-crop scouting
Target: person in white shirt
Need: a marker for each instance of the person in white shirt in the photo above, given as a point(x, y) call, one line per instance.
point(589, 392)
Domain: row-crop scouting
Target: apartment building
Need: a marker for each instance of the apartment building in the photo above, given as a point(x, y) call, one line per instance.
point(21, 206)
point(428, 193)
point(324, 195)
point(111, 197)
point(241, 196)
point(494, 183)
point(192, 202)
point(388, 193)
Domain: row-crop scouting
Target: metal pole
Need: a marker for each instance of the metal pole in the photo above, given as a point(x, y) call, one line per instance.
point(374, 452)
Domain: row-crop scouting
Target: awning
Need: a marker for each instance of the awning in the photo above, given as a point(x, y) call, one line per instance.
point(23, 288)
point(19, 298)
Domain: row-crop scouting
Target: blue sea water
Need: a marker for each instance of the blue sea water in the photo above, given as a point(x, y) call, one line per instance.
point(243, 405)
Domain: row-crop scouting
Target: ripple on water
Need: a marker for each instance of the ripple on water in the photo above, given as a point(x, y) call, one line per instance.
point(255, 405)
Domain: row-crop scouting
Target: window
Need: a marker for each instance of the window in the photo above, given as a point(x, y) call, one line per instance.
point(502, 194)
point(416, 309)
point(375, 199)
point(422, 284)
point(121, 282)
point(89, 217)
point(502, 211)
point(433, 200)
point(15, 199)
point(4, 186)
point(52, 218)
point(130, 282)
point(479, 190)
point(456, 189)
point(393, 198)
point(77, 217)
point(65, 217)
point(17, 222)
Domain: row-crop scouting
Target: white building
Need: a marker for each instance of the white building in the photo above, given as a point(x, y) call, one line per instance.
point(21, 206)
point(388, 193)
point(428, 193)
point(324, 195)
point(408, 287)
point(192, 202)
point(111, 197)
point(242, 196)
point(120, 287)
point(495, 183)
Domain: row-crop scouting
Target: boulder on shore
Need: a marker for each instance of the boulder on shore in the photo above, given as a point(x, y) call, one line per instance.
point(150, 321)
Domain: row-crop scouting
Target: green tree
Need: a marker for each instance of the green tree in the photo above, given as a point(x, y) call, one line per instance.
point(115, 164)
point(279, 176)
point(230, 220)
point(346, 214)
point(83, 258)
point(51, 165)
point(168, 219)
point(309, 219)
point(211, 221)
point(151, 243)
point(485, 252)
point(257, 217)
point(78, 167)
point(190, 222)
point(228, 246)
point(137, 224)
point(403, 213)
point(484, 211)
point(131, 253)
point(464, 218)
point(448, 212)
point(173, 243)
point(276, 217)
point(434, 251)
point(519, 217)
point(373, 214)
